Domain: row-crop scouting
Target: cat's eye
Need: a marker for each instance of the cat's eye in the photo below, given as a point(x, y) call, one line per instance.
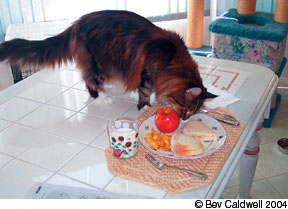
point(184, 111)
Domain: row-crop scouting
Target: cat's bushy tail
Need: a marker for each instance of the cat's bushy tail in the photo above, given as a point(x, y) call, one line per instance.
point(38, 54)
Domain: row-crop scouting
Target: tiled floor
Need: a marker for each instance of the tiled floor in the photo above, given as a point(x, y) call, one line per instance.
point(271, 177)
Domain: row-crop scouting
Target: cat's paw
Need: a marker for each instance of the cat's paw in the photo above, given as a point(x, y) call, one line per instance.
point(141, 105)
point(93, 94)
point(103, 99)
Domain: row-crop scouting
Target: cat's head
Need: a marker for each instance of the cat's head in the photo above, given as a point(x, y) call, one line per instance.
point(177, 76)
point(189, 101)
point(186, 97)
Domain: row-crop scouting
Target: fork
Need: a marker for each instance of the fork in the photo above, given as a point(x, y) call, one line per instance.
point(161, 166)
point(226, 118)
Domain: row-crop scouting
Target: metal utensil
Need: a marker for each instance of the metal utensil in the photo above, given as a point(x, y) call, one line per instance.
point(161, 166)
point(224, 117)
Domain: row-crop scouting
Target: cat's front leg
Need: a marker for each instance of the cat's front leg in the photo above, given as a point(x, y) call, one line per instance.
point(92, 92)
point(142, 103)
point(144, 91)
point(94, 81)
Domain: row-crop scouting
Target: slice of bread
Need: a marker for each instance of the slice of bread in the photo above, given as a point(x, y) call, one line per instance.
point(184, 145)
point(199, 130)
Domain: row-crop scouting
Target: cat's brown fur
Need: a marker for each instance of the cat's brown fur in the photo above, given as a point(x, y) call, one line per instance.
point(122, 46)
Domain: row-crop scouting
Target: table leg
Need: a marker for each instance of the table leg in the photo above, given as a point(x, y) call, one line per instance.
point(248, 165)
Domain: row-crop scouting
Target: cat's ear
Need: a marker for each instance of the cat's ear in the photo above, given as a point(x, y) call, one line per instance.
point(192, 93)
point(208, 95)
point(161, 49)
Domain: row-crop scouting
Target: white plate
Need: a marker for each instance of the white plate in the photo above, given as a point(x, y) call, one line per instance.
point(209, 146)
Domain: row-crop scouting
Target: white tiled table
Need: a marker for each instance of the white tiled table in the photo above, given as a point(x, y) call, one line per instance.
point(52, 131)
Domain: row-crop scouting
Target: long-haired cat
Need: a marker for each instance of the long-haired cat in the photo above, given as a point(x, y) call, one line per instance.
point(111, 46)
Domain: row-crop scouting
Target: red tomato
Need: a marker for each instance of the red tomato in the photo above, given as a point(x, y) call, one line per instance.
point(167, 120)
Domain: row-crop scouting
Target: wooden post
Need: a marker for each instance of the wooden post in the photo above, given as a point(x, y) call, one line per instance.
point(195, 20)
point(246, 7)
point(281, 11)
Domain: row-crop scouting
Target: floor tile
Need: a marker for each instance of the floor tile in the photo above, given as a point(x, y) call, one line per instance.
point(231, 193)
point(101, 141)
point(46, 118)
point(283, 108)
point(271, 161)
point(72, 99)
point(17, 138)
point(42, 92)
point(4, 159)
point(110, 111)
point(234, 181)
point(17, 177)
point(4, 124)
point(267, 136)
point(51, 152)
point(120, 185)
point(65, 78)
point(16, 108)
point(263, 190)
point(89, 167)
point(82, 127)
point(280, 183)
point(279, 125)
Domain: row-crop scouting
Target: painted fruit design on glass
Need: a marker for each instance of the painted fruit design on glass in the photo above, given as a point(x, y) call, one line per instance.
point(124, 144)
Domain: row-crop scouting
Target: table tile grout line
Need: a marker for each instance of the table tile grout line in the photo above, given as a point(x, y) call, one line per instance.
point(77, 154)
point(83, 113)
point(51, 131)
point(59, 168)
point(60, 84)
point(134, 105)
point(48, 100)
point(66, 88)
point(108, 183)
point(41, 104)
point(40, 166)
point(8, 162)
point(46, 103)
point(11, 123)
point(73, 179)
point(90, 143)
point(76, 140)
point(102, 117)
point(27, 148)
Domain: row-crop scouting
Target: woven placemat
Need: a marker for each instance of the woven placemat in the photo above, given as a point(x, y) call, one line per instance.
point(170, 180)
